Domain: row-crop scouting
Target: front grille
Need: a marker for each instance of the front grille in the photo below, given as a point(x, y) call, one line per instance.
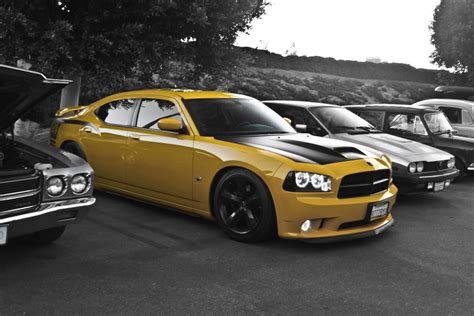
point(436, 165)
point(364, 183)
point(10, 186)
point(19, 205)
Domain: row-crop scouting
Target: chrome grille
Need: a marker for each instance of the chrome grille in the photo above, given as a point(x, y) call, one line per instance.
point(19, 195)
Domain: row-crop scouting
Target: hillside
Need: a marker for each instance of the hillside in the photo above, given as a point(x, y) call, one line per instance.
point(271, 83)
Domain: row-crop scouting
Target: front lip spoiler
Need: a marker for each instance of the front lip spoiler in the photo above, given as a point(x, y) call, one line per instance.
point(371, 233)
point(50, 207)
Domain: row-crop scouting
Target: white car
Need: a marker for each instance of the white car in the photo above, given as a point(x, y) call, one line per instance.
point(459, 112)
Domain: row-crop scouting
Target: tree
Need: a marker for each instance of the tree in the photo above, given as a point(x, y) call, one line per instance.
point(121, 44)
point(453, 36)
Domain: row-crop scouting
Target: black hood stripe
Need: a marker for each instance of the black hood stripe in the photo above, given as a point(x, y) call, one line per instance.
point(291, 147)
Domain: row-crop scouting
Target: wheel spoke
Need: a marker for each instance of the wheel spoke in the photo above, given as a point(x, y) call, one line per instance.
point(252, 199)
point(250, 218)
point(231, 197)
point(231, 219)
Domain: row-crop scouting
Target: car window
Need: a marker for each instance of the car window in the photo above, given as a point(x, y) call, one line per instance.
point(453, 114)
point(373, 117)
point(466, 117)
point(152, 110)
point(406, 124)
point(301, 116)
point(117, 112)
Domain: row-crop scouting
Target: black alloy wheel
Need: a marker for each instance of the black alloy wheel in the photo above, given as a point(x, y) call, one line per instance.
point(243, 206)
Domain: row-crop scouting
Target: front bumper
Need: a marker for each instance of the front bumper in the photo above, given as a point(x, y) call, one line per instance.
point(331, 218)
point(48, 215)
point(419, 182)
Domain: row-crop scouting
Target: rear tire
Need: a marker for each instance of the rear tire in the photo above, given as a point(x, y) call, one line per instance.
point(47, 236)
point(243, 207)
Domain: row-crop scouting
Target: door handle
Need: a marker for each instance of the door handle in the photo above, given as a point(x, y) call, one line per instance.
point(135, 137)
point(86, 129)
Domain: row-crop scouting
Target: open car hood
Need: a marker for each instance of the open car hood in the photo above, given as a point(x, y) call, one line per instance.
point(22, 89)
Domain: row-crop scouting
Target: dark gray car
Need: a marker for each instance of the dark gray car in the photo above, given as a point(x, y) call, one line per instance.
point(416, 167)
point(42, 189)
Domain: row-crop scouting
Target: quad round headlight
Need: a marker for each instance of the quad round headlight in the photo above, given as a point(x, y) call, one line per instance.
point(79, 184)
point(301, 181)
point(55, 186)
point(451, 163)
point(420, 166)
point(412, 167)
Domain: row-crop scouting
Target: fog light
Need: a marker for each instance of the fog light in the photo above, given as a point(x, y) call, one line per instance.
point(447, 183)
point(430, 185)
point(306, 225)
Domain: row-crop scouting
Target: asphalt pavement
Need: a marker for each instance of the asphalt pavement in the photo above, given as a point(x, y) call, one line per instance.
point(132, 258)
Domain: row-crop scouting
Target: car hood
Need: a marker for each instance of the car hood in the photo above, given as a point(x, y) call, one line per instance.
point(306, 148)
point(398, 149)
point(22, 89)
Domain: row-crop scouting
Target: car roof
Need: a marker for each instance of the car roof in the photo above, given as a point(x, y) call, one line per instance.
point(456, 102)
point(301, 104)
point(186, 94)
point(396, 107)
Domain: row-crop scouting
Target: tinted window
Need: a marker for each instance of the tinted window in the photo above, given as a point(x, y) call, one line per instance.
point(235, 116)
point(116, 113)
point(152, 110)
point(373, 117)
point(406, 124)
point(453, 114)
point(301, 116)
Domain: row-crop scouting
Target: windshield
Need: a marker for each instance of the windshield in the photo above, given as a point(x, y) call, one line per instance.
point(235, 117)
point(437, 122)
point(340, 120)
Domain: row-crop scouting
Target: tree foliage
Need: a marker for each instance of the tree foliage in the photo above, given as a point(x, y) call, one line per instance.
point(119, 44)
point(453, 36)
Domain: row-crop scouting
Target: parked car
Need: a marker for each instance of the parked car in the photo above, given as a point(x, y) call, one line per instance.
point(229, 157)
point(416, 167)
point(454, 92)
point(42, 189)
point(423, 124)
point(459, 112)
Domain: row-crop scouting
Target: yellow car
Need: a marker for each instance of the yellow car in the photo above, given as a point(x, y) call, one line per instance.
point(230, 158)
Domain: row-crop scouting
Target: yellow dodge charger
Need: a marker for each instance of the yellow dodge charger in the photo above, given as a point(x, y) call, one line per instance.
point(230, 158)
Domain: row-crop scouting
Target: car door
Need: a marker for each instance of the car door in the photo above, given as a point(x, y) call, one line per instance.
point(407, 125)
point(159, 163)
point(105, 142)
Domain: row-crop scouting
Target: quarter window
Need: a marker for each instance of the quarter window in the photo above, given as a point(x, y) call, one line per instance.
point(153, 110)
point(453, 114)
point(466, 117)
point(116, 112)
point(406, 124)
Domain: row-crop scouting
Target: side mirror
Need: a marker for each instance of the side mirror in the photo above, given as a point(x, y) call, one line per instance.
point(301, 128)
point(287, 120)
point(170, 124)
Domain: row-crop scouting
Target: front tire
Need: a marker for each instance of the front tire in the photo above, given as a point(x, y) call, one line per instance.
point(243, 207)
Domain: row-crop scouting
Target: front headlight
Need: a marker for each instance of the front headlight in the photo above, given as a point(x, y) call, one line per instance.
point(420, 166)
point(302, 181)
point(79, 184)
point(451, 163)
point(55, 186)
point(412, 167)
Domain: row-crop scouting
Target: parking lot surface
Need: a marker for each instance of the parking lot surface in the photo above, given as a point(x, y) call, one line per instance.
point(133, 258)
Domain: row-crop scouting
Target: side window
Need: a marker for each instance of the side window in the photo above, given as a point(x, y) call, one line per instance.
point(406, 124)
point(303, 117)
point(466, 117)
point(153, 110)
point(117, 112)
point(453, 114)
point(373, 117)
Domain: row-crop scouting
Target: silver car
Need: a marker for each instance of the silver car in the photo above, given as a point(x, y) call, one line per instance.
point(459, 112)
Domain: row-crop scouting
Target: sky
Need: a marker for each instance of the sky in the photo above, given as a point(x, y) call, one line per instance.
point(393, 30)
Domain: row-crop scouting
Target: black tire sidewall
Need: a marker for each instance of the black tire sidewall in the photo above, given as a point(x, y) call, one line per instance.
point(266, 227)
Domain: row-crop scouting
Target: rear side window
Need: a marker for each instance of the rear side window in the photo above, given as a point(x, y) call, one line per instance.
point(153, 110)
point(453, 114)
point(117, 112)
point(373, 117)
point(406, 124)
point(466, 117)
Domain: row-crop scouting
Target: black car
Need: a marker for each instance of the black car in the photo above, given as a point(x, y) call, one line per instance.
point(416, 167)
point(42, 189)
point(423, 124)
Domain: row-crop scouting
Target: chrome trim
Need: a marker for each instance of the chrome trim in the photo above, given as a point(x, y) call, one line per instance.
point(439, 175)
point(381, 181)
point(46, 208)
point(19, 192)
point(17, 210)
point(21, 179)
point(471, 167)
point(19, 196)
